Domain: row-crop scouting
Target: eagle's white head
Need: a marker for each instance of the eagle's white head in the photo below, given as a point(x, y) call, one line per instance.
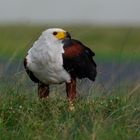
point(55, 34)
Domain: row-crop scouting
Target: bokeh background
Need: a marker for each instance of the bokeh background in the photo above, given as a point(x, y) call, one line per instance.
point(94, 12)
point(109, 28)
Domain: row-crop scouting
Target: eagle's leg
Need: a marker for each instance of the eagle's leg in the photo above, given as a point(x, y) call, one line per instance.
point(43, 90)
point(71, 90)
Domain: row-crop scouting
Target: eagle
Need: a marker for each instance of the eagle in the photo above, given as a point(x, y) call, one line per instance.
point(56, 58)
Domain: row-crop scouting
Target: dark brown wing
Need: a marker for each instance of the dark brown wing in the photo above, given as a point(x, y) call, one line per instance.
point(30, 73)
point(78, 60)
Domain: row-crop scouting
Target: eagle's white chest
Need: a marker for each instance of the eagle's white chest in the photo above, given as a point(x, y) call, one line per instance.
point(46, 62)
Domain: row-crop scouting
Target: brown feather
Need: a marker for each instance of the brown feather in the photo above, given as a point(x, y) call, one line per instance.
point(72, 51)
point(30, 73)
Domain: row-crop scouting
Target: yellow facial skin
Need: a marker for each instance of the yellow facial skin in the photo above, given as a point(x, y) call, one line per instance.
point(59, 35)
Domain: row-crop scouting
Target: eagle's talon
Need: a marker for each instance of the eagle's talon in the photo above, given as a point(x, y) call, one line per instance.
point(71, 107)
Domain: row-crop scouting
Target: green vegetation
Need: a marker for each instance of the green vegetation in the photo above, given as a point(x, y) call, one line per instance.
point(102, 115)
point(108, 117)
point(108, 43)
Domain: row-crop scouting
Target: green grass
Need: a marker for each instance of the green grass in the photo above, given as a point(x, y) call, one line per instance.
point(102, 115)
point(108, 117)
point(108, 43)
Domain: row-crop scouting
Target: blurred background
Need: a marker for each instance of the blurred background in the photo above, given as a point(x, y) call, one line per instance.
point(93, 12)
point(110, 28)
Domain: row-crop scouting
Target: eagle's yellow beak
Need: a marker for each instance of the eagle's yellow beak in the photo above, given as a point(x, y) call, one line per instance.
point(60, 35)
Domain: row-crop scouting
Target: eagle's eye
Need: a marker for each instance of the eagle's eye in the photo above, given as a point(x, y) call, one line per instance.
point(54, 33)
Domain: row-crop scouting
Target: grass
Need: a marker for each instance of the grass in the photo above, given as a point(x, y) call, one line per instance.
point(102, 115)
point(23, 116)
point(108, 43)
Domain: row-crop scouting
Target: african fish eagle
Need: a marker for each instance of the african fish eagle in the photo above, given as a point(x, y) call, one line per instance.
point(55, 58)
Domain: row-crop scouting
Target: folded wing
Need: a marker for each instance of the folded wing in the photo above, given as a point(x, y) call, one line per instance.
point(78, 60)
